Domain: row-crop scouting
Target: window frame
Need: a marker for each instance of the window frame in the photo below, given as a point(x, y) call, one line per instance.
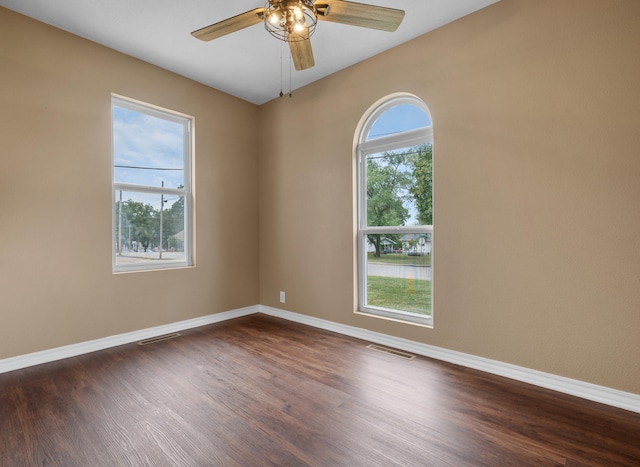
point(187, 123)
point(364, 148)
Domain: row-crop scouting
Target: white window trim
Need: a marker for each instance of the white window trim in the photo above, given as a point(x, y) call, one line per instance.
point(365, 147)
point(187, 122)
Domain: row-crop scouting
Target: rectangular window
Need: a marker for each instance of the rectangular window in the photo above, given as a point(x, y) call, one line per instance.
point(152, 199)
point(395, 248)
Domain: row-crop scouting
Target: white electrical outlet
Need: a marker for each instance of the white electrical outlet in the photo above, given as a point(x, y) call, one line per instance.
point(281, 296)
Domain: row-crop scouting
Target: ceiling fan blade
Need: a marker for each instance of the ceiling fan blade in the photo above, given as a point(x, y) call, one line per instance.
point(360, 14)
point(229, 25)
point(301, 54)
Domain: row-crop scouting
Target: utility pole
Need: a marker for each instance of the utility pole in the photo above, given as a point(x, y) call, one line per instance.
point(161, 207)
point(120, 227)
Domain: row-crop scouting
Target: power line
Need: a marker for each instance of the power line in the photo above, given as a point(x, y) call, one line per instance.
point(143, 168)
point(389, 153)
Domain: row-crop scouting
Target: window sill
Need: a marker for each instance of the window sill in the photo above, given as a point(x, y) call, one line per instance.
point(173, 267)
point(397, 316)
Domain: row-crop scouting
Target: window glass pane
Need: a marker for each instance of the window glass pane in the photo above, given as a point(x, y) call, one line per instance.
point(138, 235)
point(399, 278)
point(399, 187)
point(147, 150)
point(397, 119)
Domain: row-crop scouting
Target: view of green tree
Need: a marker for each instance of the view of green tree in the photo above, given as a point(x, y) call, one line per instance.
point(422, 188)
point(172, 224)
point(141, 224)
point(389, 180)
point(138, 222)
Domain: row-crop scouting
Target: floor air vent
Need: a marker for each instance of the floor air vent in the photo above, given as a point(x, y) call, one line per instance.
point(394, 352)
point(158, 339)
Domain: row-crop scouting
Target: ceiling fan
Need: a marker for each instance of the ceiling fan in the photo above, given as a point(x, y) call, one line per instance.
point(294, 21)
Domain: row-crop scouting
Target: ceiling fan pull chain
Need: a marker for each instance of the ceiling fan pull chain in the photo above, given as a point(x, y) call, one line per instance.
point(281, 93)
point(290, 61)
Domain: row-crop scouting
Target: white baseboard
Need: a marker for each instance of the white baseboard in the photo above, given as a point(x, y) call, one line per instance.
point(593, 392)
point(59, 353)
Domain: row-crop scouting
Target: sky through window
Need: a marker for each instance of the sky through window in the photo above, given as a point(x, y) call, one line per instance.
point(147, 150)
point(403, 117)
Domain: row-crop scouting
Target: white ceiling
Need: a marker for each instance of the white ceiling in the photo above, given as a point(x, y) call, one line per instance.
point(245, 63)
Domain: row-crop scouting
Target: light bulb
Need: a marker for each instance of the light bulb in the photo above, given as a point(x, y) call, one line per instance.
point(274, 18)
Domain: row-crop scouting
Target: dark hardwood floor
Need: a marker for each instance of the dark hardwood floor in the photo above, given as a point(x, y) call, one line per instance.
point(263, 391)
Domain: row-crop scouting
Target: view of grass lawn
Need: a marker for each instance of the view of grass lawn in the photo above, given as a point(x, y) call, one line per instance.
point(401, 259)
point(400, 294)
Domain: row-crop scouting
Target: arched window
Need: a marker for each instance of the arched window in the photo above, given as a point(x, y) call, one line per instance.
point(395, 211)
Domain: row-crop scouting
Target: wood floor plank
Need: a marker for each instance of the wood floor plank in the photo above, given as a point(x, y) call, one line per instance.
point(259, 391)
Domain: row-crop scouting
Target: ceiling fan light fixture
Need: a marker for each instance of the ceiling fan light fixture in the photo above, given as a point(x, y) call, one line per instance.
point(290, 20)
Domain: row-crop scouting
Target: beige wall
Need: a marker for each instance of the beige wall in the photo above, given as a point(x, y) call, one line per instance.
point(537, 172)
point(537, 250)
point(55, 194)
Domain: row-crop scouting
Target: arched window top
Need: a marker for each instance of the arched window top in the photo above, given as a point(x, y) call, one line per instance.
point(394, 116)
point(398, 119)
